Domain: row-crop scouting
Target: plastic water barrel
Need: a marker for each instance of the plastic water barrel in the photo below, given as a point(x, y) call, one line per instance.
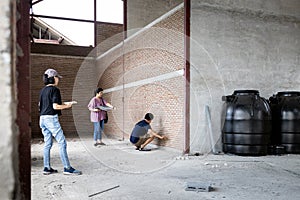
point(285, 108)
point(247, 124)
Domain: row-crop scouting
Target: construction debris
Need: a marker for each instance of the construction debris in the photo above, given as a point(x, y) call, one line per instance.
point(198, 187)
point(104, 191)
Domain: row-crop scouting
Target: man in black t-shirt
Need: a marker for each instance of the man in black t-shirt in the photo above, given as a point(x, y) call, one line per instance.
point(49, 95)
point(50, 106)
point(142, 133)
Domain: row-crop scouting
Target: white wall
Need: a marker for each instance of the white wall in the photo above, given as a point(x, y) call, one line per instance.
point(252, 44)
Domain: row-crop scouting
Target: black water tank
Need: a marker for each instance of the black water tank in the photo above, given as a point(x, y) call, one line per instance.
point(246, 119)
point(285, 108)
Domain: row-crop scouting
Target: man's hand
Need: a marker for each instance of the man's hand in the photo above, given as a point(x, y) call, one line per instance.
point(61, 107)
point(68, 105)
point(70, 102)
point(164, 137)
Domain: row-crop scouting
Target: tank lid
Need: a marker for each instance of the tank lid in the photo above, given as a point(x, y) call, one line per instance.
point(245, 92)
point(288, 93)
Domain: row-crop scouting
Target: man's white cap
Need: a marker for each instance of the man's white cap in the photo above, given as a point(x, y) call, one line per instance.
point(52, 73)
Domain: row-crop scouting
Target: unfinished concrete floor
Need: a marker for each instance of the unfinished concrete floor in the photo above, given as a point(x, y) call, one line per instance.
point(118, 171)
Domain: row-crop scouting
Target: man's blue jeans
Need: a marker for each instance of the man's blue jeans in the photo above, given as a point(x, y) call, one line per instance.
point(51, 128)
point(98, 129)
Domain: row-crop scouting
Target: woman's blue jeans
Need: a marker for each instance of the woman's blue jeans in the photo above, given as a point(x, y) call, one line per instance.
point(98, 129)
point(51, 128)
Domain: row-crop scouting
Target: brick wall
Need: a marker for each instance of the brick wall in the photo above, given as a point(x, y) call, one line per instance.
point(146, 58)
point(141, 13)
point(142, 64)
point(68, 60)
point(108, 35)
point(44, 57)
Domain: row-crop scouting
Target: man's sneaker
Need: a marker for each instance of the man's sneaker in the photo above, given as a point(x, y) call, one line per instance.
point(71, 170)
point(47, 171)
point(143, 149)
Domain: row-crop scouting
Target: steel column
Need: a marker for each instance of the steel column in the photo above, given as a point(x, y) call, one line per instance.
point(187, 13)
point(23, 98)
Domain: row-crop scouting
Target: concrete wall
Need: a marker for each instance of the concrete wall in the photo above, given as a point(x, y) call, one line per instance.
point(239, 45)
point(9, 131)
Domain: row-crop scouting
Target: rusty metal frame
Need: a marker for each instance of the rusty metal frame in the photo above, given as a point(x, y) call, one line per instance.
point(23, 97)
point(95, 23)
point(187, 14)
point(125, 18)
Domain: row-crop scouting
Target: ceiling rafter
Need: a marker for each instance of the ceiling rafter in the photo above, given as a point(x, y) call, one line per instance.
point(35, 2)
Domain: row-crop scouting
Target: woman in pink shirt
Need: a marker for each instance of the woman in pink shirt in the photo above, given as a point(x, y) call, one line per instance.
point(97, 115)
